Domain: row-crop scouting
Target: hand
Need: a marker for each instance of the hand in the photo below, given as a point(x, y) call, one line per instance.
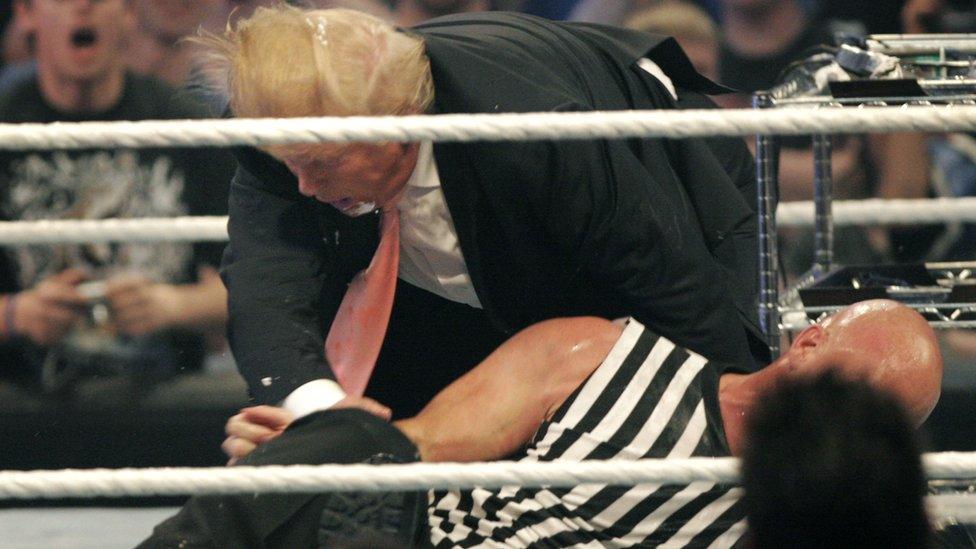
point(364, 403)
point(256, 425)
point(253, 426)
point(48, 311)
point(140, 306)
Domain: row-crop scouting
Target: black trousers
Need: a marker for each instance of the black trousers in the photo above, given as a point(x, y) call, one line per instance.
point(285, 520)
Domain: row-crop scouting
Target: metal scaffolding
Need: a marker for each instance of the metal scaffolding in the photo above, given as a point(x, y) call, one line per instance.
point(944, 68)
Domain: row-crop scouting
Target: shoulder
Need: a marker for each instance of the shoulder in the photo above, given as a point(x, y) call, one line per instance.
point(517, 31)
point(20, 100)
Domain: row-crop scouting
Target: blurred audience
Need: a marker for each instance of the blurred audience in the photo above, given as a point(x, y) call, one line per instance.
point(760, 38)
point(557, 10)
point(157, 47)
point(610, 12)
point(411, 12)
point(952, 164)
point(693, 29)
point(122, 307)
point(16, 47)
point(833, 463)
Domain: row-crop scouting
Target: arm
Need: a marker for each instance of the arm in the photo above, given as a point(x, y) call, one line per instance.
point(274, 270)
point(507, 396)
point(141, 306)
point(512, 392)
point(903, 164)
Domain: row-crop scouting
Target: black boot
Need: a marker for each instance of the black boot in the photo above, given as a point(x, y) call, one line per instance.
point(373, 519)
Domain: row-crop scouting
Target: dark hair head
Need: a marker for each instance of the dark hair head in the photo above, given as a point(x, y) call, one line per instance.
point(829, 462)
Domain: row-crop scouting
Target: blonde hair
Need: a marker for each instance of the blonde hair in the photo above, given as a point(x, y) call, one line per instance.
point(287, 62)
point(677, 18)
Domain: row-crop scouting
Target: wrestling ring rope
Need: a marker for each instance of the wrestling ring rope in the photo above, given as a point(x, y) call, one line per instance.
point(214, 228)
point(414, 476)
point(537, 126)
point(487, 127)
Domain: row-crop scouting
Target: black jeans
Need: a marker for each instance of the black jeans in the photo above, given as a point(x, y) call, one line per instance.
point(286, 520)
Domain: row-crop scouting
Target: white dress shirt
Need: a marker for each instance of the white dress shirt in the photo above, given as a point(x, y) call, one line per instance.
point(430, 256)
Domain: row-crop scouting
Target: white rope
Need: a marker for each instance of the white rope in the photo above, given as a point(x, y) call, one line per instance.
point(486, 127)
point(415, 476)
point(882, 212)
point(947, 509)
point(83, 231)
point(194, 229)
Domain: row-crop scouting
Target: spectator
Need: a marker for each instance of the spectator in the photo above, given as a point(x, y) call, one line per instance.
point(157, 48)
point(833, 463)
point(761, 37)
point(689, 25)
point(557, 10)
point(17, 51)
point(609, 12)
point(159, 298)
point(878, 16)
point(411, 12)
point(14, 42)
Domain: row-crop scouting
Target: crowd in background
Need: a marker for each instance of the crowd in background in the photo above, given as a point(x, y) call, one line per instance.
point(68, 310)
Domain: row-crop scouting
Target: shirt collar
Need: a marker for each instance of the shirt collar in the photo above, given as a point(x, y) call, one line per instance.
point(424, 174)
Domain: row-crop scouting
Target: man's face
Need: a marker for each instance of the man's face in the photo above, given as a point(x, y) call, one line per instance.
point(881, 342)
point(347, 175)
point(79, 40)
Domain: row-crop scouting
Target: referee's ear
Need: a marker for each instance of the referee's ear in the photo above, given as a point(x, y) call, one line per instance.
point(806, 346)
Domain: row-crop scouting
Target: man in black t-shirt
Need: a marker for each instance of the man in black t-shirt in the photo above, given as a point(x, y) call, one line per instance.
point(151, 302)
point(762, 37)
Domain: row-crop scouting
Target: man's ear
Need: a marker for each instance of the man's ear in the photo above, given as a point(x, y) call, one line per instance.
point(809, 339)
point(24, 16)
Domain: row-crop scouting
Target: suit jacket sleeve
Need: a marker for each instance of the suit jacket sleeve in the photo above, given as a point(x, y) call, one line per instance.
point(275, 269)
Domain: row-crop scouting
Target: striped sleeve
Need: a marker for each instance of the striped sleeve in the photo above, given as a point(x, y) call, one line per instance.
point(648, 399)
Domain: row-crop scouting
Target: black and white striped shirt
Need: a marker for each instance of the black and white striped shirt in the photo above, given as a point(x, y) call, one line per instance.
point(649, 399)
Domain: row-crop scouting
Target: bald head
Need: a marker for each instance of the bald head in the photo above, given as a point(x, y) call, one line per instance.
point(882, 342)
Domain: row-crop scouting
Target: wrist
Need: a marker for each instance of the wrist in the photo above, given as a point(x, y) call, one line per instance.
point(412, 429)
point(176, 301)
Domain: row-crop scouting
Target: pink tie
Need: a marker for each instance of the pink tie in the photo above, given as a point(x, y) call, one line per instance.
point(357, 332)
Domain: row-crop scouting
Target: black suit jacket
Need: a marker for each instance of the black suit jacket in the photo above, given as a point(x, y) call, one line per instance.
point(661, 230)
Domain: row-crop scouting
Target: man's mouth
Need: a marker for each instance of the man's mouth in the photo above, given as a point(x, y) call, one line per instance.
point(353, 208)
point(84, 38)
